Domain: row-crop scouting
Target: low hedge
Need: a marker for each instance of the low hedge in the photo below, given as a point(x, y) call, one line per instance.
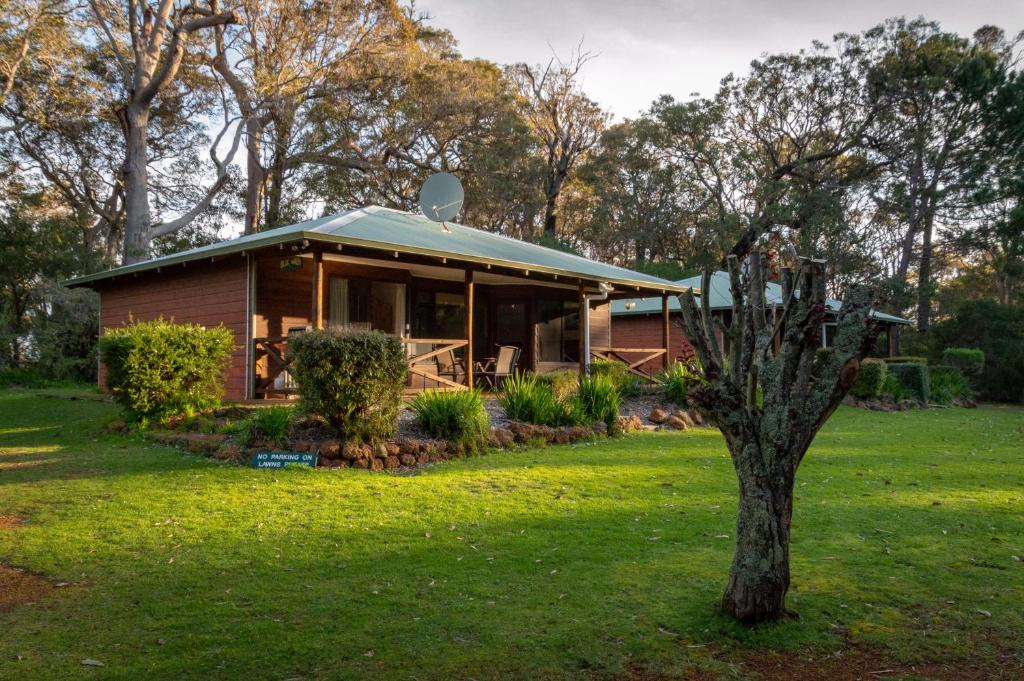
point(913, 377)
point(970, 361)
point(353, 381)
point(159, 369)
point(870, 379)
point(906, 359)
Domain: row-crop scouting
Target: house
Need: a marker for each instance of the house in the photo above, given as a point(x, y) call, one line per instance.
point(638, 320)
point(447, 290)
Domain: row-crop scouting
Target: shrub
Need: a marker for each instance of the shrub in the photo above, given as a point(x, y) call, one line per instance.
point(526, 398)
point(353, 381)
point(998, 331)
point(677, 381)
point(263, 425)
point(453, 415)
point(628, 382)
point(970, 361)
point(870, 379)
point(892, 387)
point(159, 369)
point(948, 384)
point(913, 377)
point(599, 399)
point(564, 383)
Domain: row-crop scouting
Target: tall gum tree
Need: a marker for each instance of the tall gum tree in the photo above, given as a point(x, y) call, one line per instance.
point(148, 41)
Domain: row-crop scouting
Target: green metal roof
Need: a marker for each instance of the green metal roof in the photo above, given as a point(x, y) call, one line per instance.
point(721, 299)
point(393, 230)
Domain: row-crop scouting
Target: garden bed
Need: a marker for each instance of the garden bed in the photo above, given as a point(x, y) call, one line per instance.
point(209, 435)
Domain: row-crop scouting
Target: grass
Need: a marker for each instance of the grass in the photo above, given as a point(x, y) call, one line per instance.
point(589, 561)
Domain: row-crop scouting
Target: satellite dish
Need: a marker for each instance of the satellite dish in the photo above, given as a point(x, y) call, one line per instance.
point(441, 197)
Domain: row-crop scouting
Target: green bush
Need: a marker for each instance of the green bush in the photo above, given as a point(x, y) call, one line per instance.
point(269, 425)
point(998, 331)
point(526, 398)
point(893, 388)
point(870, 379)
point(628, 382)
point(159, 369)
point(599, 399)
point(564, 382)
point(453, 415)
point(913, 377)
point(948, 384)
point(353, 381)
point(970, 362)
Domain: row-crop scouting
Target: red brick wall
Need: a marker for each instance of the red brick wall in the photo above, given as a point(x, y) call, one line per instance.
point(202, 293)
point(644, 331)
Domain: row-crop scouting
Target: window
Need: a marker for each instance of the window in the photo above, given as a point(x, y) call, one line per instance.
point(381, 304)
point(436, 314)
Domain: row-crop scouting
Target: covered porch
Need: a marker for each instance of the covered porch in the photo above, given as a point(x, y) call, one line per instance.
point(453, 318)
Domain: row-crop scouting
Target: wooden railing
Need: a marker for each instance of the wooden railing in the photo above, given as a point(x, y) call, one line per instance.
point(272, 364)
point(634, 365)
point(427, 365)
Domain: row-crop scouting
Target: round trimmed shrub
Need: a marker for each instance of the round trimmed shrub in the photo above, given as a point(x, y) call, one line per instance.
point(353, 381)
point(159, 369)
point(870, 379)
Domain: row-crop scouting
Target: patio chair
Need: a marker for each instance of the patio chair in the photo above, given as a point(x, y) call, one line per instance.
point(448, 366)
point(495, 371)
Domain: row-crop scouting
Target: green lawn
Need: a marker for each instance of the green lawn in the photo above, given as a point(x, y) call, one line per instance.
point(593, 561)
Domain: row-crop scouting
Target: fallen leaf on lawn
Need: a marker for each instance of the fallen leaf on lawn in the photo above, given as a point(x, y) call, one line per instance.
point(93, 663)
point(986, 613)
point(368, 653)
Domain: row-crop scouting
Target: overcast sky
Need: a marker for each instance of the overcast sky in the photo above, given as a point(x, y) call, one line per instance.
point(651, 47)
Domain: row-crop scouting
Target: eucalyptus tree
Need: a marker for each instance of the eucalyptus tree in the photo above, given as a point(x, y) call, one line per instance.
point(148, 41)
point(565, 122)
point(940, 86)
point(637, 212)
point(795, 129)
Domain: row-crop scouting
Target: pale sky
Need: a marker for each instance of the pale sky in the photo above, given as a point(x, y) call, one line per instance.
point(652, 47)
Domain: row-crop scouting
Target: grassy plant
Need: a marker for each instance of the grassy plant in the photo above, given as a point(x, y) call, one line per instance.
point(947, 384)
point(453, 415)
point(564, 382)
point(599, 398)
point(268, 425)
point(628, 382)
point(527, 398)
point(677, 381)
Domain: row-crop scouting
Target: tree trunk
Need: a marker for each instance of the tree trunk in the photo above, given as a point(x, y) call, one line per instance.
point(255, 177)
point(759, 578)
point(924, 278)
point(134, 125)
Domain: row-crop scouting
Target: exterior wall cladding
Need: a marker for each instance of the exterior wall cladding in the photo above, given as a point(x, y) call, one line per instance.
point(644, 331)
point(208, 294)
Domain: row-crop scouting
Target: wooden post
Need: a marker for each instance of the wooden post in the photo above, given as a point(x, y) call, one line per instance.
point(666, 359)
point(317, 316)
point(583, 341)
point(469, 328)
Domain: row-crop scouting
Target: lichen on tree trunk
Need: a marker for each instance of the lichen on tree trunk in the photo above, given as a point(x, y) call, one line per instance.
point(769, 406)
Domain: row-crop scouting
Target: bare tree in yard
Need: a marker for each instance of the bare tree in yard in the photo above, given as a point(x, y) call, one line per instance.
point(148, 42)
point(564, 120)
point(795, 126)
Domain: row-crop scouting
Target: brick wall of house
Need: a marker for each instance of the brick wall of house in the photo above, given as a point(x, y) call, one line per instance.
point(644, 331)
point(202, 293)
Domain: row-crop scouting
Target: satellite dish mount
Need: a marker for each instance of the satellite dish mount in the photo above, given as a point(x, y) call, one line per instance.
point(441, 198)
